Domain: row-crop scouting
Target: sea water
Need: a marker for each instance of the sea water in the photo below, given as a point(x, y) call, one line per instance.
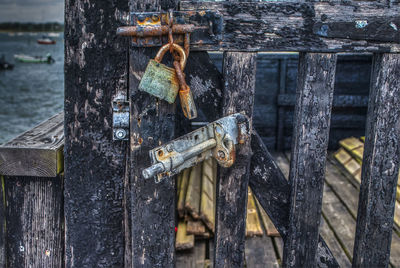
point(30, 93)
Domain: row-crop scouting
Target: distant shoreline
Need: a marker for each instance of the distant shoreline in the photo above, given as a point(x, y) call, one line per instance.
point(12, 27)
point(17, 31)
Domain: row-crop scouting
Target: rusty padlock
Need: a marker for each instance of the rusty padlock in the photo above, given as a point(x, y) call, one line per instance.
point(158, 79)
point(187, 101)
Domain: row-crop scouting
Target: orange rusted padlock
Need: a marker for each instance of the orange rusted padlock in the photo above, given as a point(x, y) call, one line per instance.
point(185, 95)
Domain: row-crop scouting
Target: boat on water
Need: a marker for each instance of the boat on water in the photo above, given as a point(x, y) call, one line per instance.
point(4, 65)
point(35, 59)
point(46, 41)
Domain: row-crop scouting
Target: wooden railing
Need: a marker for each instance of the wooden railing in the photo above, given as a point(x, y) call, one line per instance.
point(31, 211)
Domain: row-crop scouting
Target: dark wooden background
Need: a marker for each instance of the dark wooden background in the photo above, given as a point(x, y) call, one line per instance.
point(277, 74)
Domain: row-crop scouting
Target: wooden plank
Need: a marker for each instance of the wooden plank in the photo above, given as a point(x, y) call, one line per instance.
point(273, 192)
point(207, 205)
point(34, 233)
point(279, 247)
point(95, 200)
point(3, 221)
point(341, 184)
point(381, 165)
point(340, 220)
point(326, 232)
point(192, 202)
point(194, 258)
point(253, 224)
point(197, 228)
point(239, 70)
point(37, 152)
point(184, 241)
point(315, 84)
point(182, 192)
point(260, 252)
point(312, 26)
point(336, 214)
point(268, 225)
point(334, 246)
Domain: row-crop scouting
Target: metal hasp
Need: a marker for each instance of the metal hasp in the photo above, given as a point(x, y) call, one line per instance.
point(149, 29)
point(120, 118)
point(217, 139)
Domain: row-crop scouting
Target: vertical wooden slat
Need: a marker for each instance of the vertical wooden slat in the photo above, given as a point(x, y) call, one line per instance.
point(315, 85)
point(273, 192)
point(95, 69)
point(239, 71)
point(152, 123)
point(380, 166)
point(3, 256)
point(35, 236)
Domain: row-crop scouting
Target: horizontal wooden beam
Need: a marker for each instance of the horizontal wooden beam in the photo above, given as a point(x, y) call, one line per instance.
point(37, 152)
point(339, 101)
point(334, 26)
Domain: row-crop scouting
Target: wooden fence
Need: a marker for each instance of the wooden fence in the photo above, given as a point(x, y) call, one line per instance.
point(115, 218)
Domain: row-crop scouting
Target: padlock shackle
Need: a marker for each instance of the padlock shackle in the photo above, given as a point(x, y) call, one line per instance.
point(176, 47)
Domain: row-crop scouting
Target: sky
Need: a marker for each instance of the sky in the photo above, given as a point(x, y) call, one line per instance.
point(32, 11)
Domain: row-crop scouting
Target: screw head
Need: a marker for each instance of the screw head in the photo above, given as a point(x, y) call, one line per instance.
point(120, 134)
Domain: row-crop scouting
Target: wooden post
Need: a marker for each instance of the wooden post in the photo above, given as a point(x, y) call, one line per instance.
point(152, 123)
point(32, 197)
point(380, 166)
point(35, 236)
point(3, 255)
point(239, 70)
point(95, 70)
point(315, 83)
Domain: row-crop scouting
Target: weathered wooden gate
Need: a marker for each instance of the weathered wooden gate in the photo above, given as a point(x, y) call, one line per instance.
point(115, 218)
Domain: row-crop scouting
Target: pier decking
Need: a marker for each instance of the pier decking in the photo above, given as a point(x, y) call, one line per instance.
point(339, 212)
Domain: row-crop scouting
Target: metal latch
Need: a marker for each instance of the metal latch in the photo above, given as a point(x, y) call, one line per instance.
point(120, 118)
point(150, 29)
point(217, 139)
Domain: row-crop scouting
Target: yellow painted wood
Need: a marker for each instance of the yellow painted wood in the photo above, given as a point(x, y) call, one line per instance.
point(182, 192)
point(362, 138)
point(353, 167)
point(253, 225)
point(192, 201)
point(342, 156)
point(183, 240)
point(351, 143)
point(358, 154)
point(268, 225)
point(207, 205)
point(197, 228)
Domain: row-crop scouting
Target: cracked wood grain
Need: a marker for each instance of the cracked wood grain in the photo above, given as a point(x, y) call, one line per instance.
point(315, 84)
point(95, 70)
point(380, 165)
point(239, 70)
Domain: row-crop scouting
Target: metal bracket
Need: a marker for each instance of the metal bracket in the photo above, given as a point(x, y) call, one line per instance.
point(120, 118)
point(150, 29)
point(217, 139)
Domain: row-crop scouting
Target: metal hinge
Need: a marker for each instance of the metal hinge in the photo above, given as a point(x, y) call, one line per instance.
point(150, 29)
point(217, 139)
point(120, 118)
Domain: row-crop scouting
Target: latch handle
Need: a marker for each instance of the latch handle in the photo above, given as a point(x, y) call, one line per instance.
point(217, 139)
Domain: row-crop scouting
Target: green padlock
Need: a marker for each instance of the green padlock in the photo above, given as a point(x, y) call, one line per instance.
point(158, 79)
